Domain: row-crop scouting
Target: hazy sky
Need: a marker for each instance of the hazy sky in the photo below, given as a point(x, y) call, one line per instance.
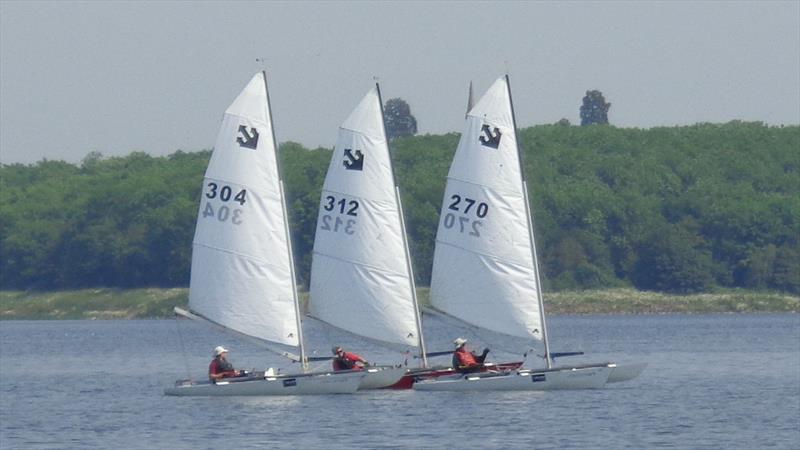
point(116, 77)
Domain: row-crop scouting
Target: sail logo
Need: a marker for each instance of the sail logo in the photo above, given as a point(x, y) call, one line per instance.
point(490, 138)
point(248, 140)
point(353, 161)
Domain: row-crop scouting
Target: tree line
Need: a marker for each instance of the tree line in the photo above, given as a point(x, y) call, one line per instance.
point(678, 209)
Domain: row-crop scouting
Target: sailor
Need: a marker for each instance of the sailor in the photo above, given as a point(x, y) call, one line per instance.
point(343, 360)
point(220, 367)
point(465, 361)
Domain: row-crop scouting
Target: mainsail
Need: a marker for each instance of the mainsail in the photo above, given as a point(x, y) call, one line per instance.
point(484, 271)
point(242, 275)
point(361, 279)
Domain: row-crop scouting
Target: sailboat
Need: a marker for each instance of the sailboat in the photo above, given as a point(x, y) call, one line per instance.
point(362, 279)
point(242, 275)
point(485, 268)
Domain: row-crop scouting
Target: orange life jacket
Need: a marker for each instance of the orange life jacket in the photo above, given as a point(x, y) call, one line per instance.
point(465, 358)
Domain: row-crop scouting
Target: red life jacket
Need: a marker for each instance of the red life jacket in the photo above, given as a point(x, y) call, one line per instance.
point(346, 362)
point(216, 367)
point(465, 358)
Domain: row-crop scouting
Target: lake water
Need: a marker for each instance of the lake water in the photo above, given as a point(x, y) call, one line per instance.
point(713, 381)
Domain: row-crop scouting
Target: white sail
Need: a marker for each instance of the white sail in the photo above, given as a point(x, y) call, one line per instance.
point(360, 278)
point(484, 271)
point(241, 269)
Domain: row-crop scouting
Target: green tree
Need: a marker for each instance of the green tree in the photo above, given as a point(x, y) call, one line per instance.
point(399, 121)
point(672, 260)
point(668, 208)
point(303, 171)
point(786, 270)
point(594, 109)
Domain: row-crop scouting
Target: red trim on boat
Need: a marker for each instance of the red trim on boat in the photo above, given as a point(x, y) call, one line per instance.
point(407, 381)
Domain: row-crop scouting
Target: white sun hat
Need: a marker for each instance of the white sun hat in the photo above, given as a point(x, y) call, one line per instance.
point(220, 350)
point(459, 342)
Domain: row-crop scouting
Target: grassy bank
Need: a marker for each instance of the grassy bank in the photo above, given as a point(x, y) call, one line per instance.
point(91, 303)
point(629, 301)
point(158, 303)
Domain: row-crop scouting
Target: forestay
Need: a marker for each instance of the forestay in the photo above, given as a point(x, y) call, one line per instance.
point(360, 277)
point(241, 270)
point(483, 269)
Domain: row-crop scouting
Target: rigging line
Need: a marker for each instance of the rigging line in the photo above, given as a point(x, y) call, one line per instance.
point(183, 347)
point(317, 367)
point(499, 341)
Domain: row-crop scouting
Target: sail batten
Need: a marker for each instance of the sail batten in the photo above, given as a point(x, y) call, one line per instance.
point(484, 273)
point(360, 279)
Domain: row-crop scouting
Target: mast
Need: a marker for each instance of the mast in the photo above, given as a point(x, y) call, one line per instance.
point(295, 299)
point(529, 214)
point(470, 101)
point(417, 317)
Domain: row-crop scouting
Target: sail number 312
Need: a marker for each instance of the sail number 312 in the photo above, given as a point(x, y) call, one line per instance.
point(224, 213)
point(466, 207)
point(341, 207)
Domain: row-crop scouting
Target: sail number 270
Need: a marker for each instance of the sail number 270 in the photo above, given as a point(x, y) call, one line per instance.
point(470, 211)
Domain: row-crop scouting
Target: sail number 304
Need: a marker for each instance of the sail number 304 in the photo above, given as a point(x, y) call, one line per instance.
point(470, 212)
point(224, 213)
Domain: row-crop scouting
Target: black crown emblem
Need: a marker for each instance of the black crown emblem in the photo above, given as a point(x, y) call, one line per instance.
point(353, 161)
point(247, 140)
point(490, 138)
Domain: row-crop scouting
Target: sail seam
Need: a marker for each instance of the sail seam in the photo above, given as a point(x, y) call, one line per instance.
point(360, 264)
point(229, 181)
point(493, 189)
point(498, 258)
point(230, 252)
point(371, 136)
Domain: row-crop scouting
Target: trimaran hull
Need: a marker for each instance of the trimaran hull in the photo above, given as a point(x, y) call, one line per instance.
point(413, 375)
point(625, 372)
point(300, 384)
point(380, 377)
point(583, 377)
point(401, 378)
point(503, 377)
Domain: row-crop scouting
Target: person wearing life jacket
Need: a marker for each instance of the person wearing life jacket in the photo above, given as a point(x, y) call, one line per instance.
point(343, 360)
point(465, 361)
point(220, 367)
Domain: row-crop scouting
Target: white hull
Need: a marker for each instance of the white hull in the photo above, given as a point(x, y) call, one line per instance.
point(523, 380)
point(381, 377)
point(303, 384)
point(625, 372)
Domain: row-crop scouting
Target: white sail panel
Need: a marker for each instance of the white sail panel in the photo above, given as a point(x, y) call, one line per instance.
point(360, 280)
point(483, 267)
point(241, 276)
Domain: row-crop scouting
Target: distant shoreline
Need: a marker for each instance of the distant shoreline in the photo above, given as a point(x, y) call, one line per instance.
point(155, 303)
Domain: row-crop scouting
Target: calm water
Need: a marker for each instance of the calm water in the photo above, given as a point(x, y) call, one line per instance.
point(714, 381)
